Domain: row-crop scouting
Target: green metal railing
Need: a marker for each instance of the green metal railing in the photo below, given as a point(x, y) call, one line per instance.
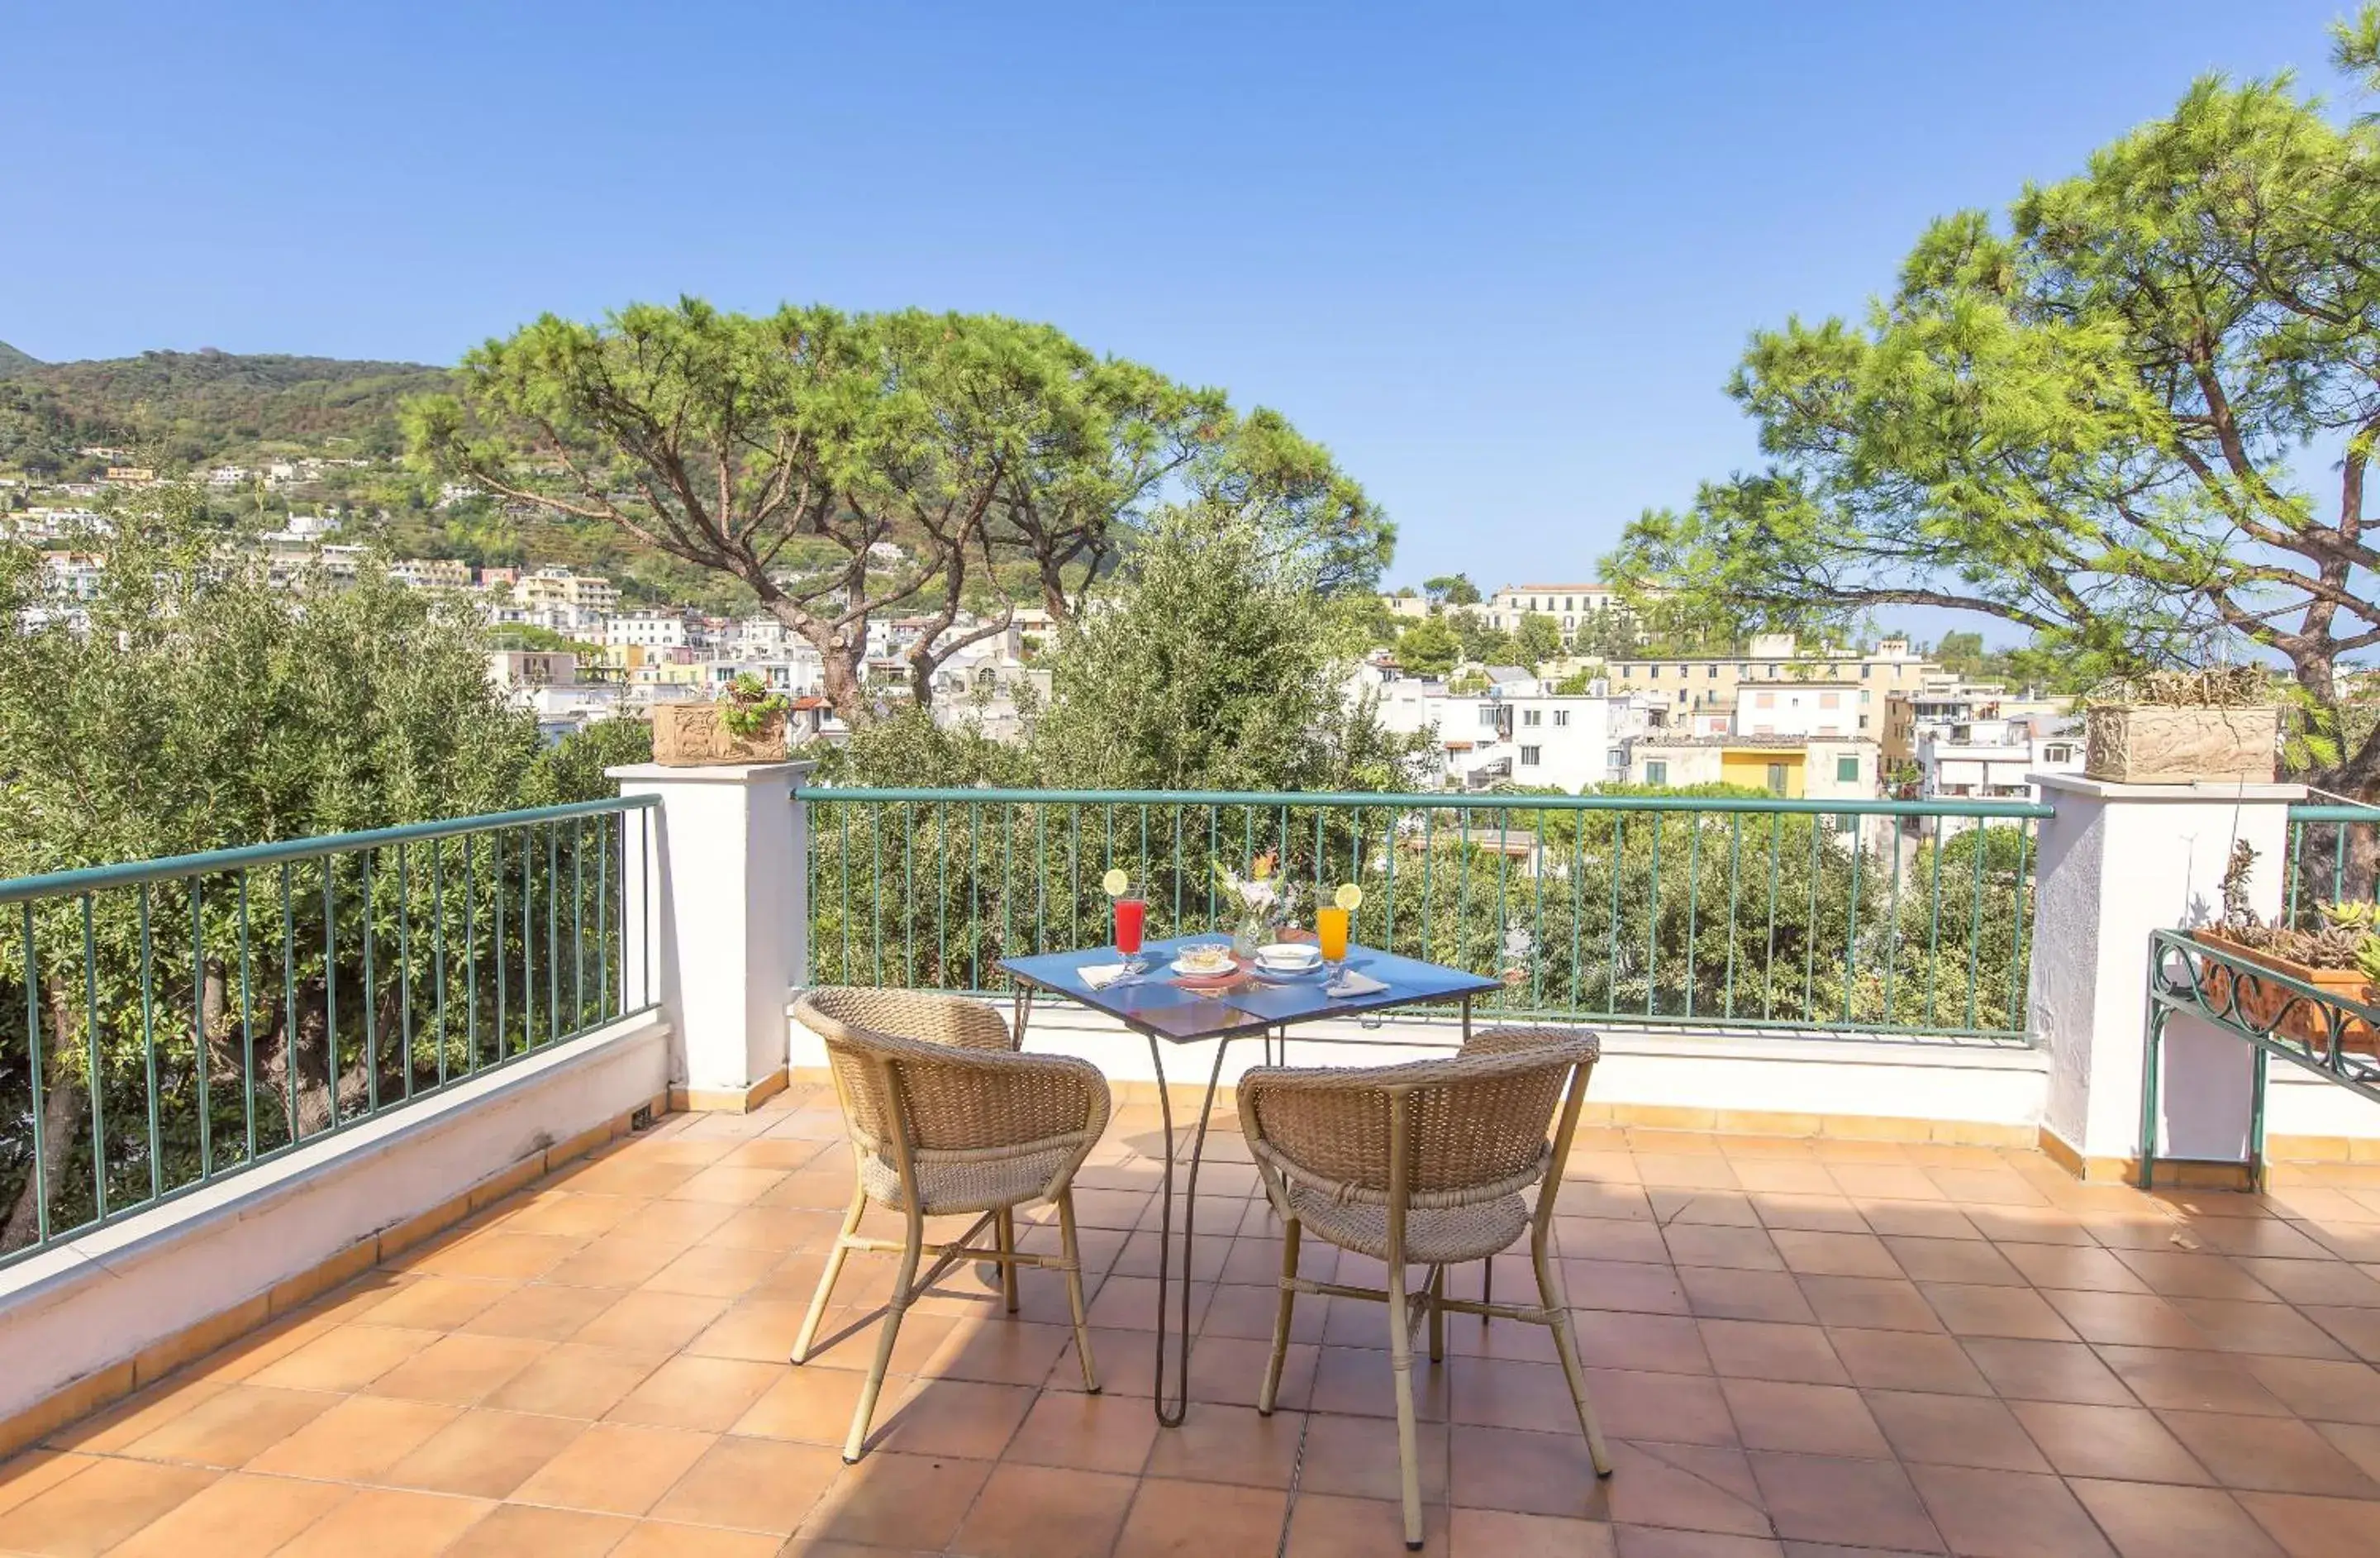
point(168, 1023)
point(1906, 919)
point(2334, 855)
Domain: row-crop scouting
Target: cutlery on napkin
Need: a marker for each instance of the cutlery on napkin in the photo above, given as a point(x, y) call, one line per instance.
point(1099, 976)
point(1350, 983)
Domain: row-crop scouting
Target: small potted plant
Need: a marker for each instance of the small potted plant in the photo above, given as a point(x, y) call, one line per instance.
point(2178, 727)
point(2340, 957)
point(746, 725)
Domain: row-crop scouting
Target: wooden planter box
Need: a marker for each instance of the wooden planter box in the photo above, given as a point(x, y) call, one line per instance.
point(693, 735)
point(2259, 1003)
point(2145, 744)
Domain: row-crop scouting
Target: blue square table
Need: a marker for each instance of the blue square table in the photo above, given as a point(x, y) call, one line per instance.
point(1163, 1012)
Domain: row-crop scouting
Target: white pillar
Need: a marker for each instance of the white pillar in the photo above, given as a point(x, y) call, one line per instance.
point(729, 918)
point(2117, 862)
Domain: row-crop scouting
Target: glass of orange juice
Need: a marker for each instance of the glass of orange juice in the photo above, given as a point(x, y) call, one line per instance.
point(1330, 929)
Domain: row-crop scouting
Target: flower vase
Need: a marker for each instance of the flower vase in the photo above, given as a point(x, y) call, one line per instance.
point(1251, 933)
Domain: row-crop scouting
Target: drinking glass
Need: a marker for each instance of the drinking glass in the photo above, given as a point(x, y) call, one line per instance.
point(1330, 929)
point(1131, 916)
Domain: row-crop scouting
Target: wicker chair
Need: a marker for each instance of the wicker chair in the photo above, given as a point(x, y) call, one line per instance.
point(946, 1117)
point(1424, 1164)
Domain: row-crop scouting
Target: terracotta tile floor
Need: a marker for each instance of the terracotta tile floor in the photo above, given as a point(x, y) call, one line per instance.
point(1799, 1347)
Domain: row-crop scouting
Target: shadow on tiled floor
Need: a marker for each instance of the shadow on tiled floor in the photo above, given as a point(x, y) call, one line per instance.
point(1799, 1347)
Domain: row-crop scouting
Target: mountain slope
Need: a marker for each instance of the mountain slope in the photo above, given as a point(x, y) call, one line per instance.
point(187, 407)
point(12, 360)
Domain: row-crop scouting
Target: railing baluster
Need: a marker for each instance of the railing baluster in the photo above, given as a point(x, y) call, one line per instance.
point(1734, 881)
point(1653, 921)
point(553, 935)
point(247, 1025)
point(98, 1076)
point(40, 1168)
point(1768, 966)
point(199, 1030)
point(1694, 904)
point(1611, 952)
point(405, 965)
point(289, 1051)
point(372, 1014)
point(148, 1052)
point(1850, 936)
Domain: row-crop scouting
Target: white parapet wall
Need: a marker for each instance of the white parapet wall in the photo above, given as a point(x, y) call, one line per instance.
point(1998, 1091)
point(83, 1310)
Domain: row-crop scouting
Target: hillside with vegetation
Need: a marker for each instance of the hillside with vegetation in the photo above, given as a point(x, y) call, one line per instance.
point(186, 408)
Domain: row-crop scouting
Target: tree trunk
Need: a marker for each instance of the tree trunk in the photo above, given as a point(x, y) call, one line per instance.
point(61, 1111)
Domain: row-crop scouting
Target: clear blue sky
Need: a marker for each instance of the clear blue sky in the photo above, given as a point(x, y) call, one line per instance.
point(1500, 259)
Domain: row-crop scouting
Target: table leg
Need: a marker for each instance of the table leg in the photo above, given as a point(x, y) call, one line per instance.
point(1189, 1224)
point(1020, 1013)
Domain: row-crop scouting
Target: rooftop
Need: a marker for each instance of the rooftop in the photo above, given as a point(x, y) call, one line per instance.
point(1798, 1346)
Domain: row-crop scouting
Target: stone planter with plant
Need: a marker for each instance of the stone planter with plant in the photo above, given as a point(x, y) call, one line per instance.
point(2179, 727)
point(747, 724)
point(2340, 957)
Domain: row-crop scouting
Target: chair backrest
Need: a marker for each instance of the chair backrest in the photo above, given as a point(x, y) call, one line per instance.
point(1474, 1124)
point(938, 1070)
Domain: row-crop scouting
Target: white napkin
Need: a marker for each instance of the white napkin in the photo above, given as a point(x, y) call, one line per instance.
point(1099, 976)
point(1350, 983)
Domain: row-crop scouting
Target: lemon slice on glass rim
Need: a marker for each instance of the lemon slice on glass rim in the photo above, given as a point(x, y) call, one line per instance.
point(1348, 897)
point(1115, 883)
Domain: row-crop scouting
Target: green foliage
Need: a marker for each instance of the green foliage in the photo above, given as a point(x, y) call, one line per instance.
point(181, 408)
point(998, 455)
point(1428, 647)
point(1481, 644)
point(1536, 640)
point(189, 707)
point(1213, 669)
point(748, 706)
point(1679, 915)
point(1452, 590)
point(2091, 421)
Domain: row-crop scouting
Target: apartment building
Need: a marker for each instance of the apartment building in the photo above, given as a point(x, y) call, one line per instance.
point(1794, 767)
point(647, 630)
point(1572, 606)
point(431, 573)
point(1515, 732)
point(1804, 709)
point(563, 587)
point(1690, 683)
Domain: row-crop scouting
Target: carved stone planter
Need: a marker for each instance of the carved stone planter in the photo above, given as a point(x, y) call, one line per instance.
point(2147, 744)
point(693, 735)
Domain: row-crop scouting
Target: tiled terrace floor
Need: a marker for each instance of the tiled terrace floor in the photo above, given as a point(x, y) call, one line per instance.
point(1800, 1347)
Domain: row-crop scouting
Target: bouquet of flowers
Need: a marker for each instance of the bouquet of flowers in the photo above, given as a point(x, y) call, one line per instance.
point(1263, 898)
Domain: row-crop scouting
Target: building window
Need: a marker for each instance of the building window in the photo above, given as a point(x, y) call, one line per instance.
point(1711, 672)
point(1863, 670)
point(1830, 700)
point(1530, 716)
point(1653, 672)
point(2054, 752)
point(1615, 758)
point(1561, 716)
point(1763, 700)
point(1847, 771)
point(1486, 716)
point(1529, 757)
point(1566, 603)
point(1776, 778)
point(1657, 772)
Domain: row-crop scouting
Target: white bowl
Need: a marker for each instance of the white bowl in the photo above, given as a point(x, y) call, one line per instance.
point(1288, 956)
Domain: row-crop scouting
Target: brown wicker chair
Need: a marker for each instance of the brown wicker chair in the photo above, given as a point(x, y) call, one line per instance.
point(946, 1116)
point(1424, 1164)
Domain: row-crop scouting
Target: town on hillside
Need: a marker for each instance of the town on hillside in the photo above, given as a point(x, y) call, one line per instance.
point(1534, 686)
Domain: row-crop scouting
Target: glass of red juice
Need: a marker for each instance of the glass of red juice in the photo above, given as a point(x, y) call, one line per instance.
point(1131, 916)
